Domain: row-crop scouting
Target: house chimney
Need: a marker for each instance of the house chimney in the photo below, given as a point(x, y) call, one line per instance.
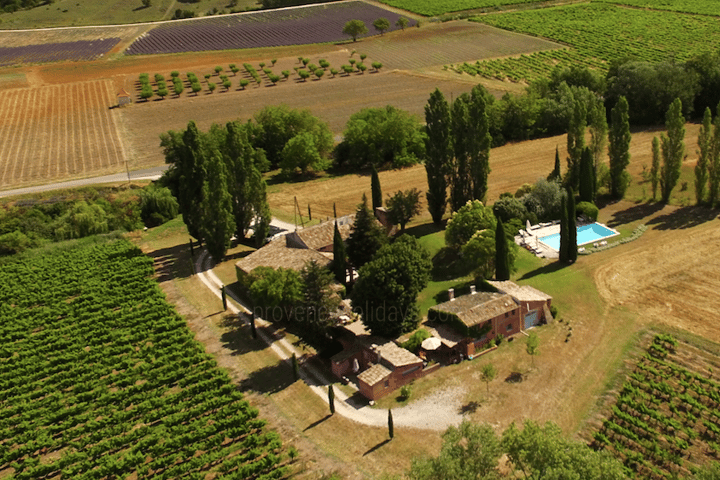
point(472, 289)
point(451, 294)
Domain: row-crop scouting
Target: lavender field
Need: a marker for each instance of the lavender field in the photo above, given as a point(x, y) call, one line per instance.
point(52, 52)
point(292, 26)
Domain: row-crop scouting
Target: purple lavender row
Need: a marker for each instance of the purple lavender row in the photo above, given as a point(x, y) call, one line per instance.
point(52, 52)
point(272, 28)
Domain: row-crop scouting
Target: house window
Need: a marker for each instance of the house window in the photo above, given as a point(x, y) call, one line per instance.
point(509, 327)
point(387, 383)
point(506, 314)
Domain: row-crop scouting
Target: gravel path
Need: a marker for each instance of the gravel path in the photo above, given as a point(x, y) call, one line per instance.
point(436, 411)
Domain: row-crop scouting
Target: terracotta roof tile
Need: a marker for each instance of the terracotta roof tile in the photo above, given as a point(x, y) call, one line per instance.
point(375, 374)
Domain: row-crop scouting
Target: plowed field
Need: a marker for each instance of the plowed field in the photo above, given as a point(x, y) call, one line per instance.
point(55, 132)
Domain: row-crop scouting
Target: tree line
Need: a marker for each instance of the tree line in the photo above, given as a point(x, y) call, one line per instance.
point(217, 178)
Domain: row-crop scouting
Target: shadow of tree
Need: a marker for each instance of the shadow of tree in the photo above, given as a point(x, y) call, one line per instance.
point(379, 445)
point(447, 264)
point(634, 213)
point(469, 408)
point(317, 422)
point(686, 217)
point(270, 379)
point(172, 262)
point(514, 377)
point(422, 230)
point(549, 268)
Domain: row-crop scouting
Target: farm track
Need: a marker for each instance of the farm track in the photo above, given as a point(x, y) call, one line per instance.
point(54, 132)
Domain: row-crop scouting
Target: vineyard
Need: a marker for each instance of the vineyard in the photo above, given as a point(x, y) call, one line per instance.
point(705, 7)
point(100, 378)
point(667, 416)
point(53, 52)
point(438, 7)
point(597, 34)
point(58, 131)
point(296, 26)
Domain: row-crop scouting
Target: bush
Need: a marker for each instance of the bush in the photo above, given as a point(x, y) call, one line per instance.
point(157, 205)
point(415, 340)
point(405, 392)
point(14, 242)
point(588, 210)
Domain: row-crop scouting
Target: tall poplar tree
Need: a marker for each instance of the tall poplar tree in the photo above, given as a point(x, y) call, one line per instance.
point(655, 168)
point(598, 134)
point(191, 178)
point(619, 147)
point(704, 154)
point(564, 235)
point(438, 148)
point(587, 177)
point(673, 149)
point(576, 141)
point(217, 221)
point(572, 252)
point(376, 190)
point(461, 187)
point(714, 163)
point(502, 254)
point(244, 164)
point(479, 144)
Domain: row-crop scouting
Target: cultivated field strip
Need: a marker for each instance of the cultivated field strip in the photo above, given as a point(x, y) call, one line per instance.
point(53, 52)
point(272, 28)
point(58, 131)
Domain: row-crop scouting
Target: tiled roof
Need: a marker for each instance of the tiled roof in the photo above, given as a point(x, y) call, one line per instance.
point(322, 234)
point(375, 374)
point(397, 356)
point(526, 293)
point(477, 308)
point(276, 254)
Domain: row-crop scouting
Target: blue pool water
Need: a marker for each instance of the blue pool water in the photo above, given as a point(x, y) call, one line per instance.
point(585, 234)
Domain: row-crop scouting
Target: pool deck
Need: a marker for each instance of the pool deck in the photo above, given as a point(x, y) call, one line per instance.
point(529, 239)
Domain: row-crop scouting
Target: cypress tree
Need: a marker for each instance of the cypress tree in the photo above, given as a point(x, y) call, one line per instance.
point(253, 327)
point(367, 236)
point(438, 148)
point(391, 427)
point(191, 178)
point(339, 256)
point(714, 162)
point(572, 252)
point(555, 174)
point(655, 169)
point(479, 144)
point(704, 145)
point(502, 257)
point(673, 149)
point(564, 236)
point(375, 189)
point(619, 147)
point(587, 177)
point(331, 399)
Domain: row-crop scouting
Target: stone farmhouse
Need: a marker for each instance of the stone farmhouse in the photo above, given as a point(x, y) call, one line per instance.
point(465, 325)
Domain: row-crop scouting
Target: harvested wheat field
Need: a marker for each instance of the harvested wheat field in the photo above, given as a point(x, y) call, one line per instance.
point(58, 132)
point(511, 165)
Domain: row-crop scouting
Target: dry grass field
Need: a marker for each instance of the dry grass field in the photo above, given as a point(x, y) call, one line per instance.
point(58, 132)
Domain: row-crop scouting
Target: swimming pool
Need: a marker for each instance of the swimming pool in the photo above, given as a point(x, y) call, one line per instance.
point(585, 234)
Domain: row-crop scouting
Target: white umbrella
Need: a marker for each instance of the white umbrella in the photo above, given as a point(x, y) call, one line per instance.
point(431, 343)
point(527, 225)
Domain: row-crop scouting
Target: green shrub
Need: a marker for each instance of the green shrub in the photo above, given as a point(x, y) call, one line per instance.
point(414, 342)
point(588, 210)
point(405, 392)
